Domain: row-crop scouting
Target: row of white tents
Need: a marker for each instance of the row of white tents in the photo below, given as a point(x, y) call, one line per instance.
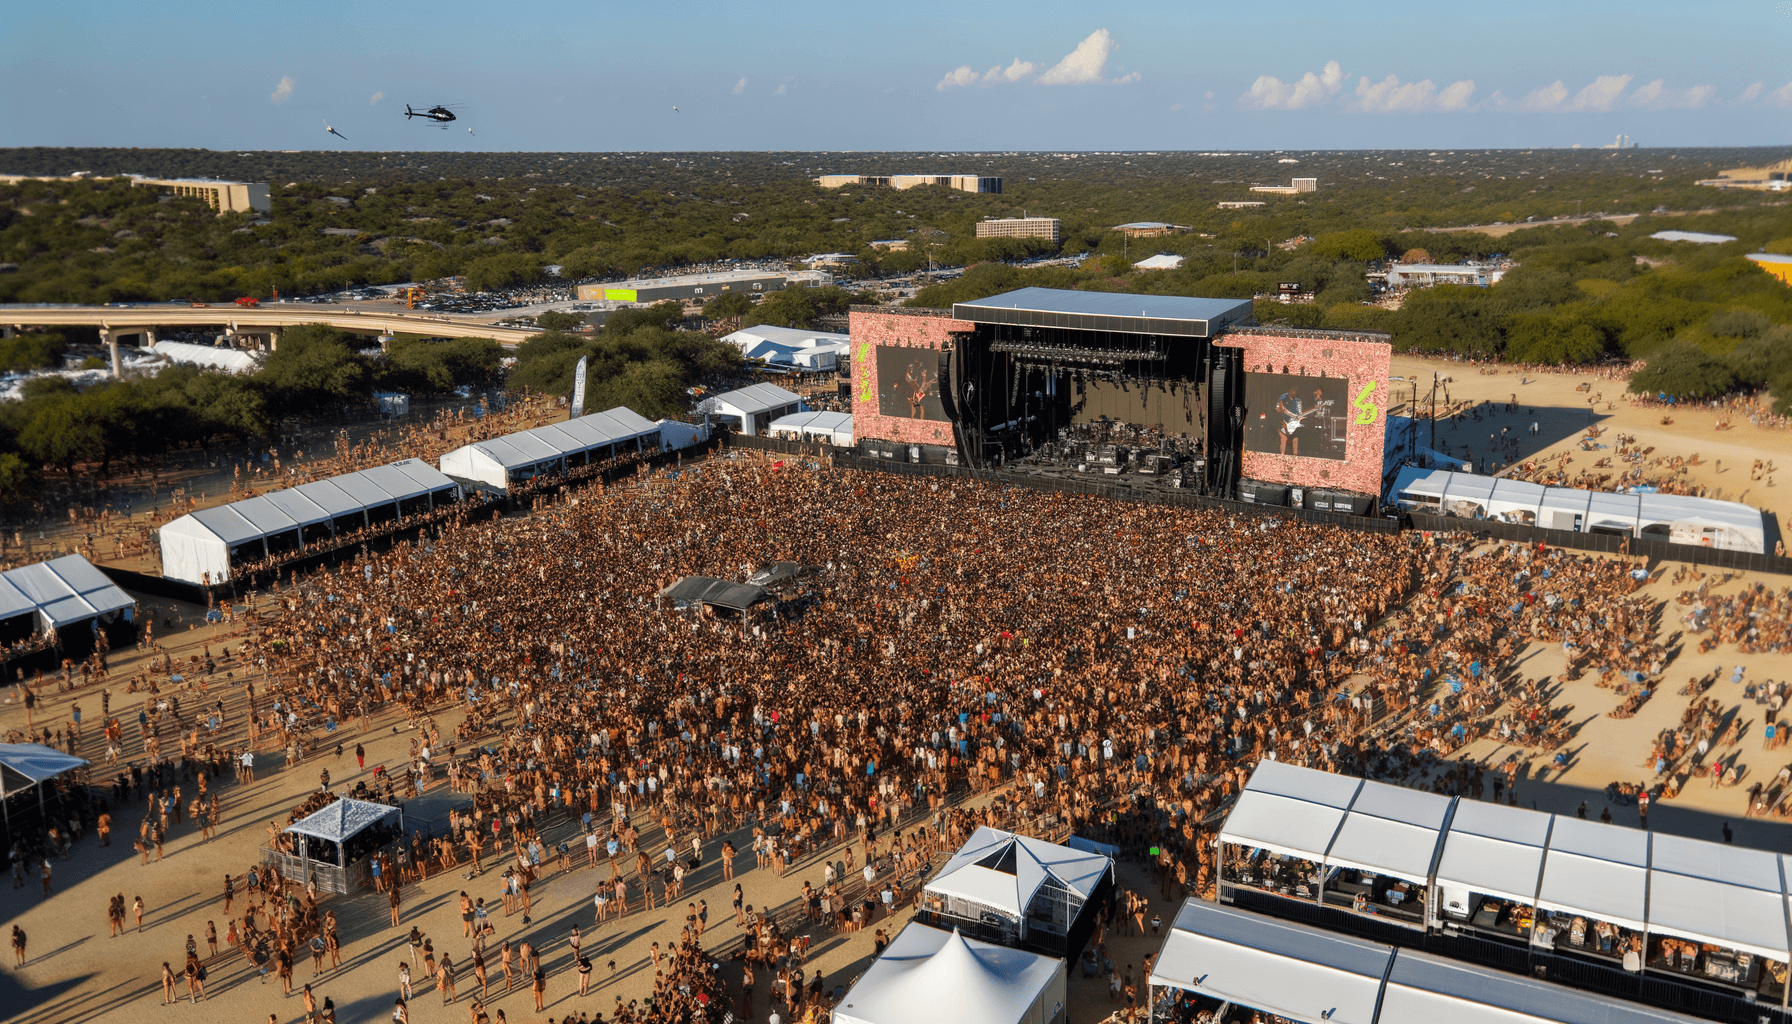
point(204, 546)
point(1679, 519)
point(1241, 959)
point(1462, 856)
point(790, 347)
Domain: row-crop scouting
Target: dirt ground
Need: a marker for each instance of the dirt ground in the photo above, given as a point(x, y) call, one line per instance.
point(1726, 457)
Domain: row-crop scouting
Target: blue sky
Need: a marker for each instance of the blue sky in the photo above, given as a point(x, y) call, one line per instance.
point(910, 76)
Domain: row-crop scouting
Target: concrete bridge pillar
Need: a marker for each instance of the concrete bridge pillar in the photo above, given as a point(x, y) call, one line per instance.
point(149, 337)
point(109, 338)
point(274, 334)
point(6, 330)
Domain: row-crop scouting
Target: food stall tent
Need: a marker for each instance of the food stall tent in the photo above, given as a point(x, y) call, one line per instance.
point(60, 594)
point(931, 976)
point(25, 768)
point(1424, 989)
point(331, 843)
point(1019, 891)
point(1291, 970)
point(496, 464)
point(204, 547)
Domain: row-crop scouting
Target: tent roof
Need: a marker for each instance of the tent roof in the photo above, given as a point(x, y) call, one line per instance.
point(721, 593)
point(929, 976)
point(1341, 820)
point(293, 507)
point(23, 765)
point(755, 399)
point(1035, 861)
point(1597, 506)
point(814, 422)
point(550, 442)
point(1424, 989)
point(62, 590)
point(1276, 966)
point(1494, 849)
point(341, 819)
point(787, 337)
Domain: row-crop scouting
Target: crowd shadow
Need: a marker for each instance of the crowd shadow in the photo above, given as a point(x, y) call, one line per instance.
point(1465, 436)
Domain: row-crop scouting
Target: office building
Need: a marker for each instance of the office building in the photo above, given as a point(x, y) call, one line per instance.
point(1150, 229)
point(221, 196)
point(1298, 186)
point(1022, 227)
point(961, 182)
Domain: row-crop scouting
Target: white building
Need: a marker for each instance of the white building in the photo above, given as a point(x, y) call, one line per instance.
point(495, 465)
point(751, 410)
point(205, 546)
point(930, 976)
point(1424, 275)
point(791, 347)
point(1159, 262)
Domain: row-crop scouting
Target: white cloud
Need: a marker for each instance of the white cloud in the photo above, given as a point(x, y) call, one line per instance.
point(1657, 96)
point(1550, 97)
point(740, 86)
point(1456, 95)
point(1210, 94)
point(963, 76)
point(283, 91)
point(1012, 73)
point(1781, 97)
point(780, 90)
point(375, 98)
point(1602, 93)
point(1127, 79)
point(1271, 93)
point(1083, 65)
point(1752, 93)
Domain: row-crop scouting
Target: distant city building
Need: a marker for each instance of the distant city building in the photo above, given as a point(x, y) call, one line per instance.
point(221, 196)
point(1242, 204)
point(961, 182)
point(1149, 229)
point(890, 244)
point(831, 259)
point(1424, 275)
point(1299, 185)
point(702, 286)
point(1772, 177)
point(1022, 227)
point(1622, 142)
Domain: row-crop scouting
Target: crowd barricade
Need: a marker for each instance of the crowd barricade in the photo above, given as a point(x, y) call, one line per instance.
point(1654, 550)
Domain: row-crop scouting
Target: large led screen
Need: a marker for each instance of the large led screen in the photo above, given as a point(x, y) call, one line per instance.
point(908, 381)
point(1306, 417)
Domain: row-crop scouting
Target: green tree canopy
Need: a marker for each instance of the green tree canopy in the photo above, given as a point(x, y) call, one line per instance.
point(1684, 371)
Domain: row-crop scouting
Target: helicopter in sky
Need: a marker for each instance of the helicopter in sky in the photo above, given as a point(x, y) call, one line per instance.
point(439, 114)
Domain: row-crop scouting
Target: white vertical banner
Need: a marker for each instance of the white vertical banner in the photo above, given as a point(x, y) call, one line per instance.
point(578, 389)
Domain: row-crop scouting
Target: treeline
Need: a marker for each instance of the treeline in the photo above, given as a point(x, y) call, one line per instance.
point(1707, 319)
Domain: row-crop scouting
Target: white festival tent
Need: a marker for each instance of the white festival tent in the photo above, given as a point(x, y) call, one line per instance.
point(493, 465)
point(1645, 881)
point(833, 427)
point(931, 976)
point(1275, 966)
point(27, 766)
point(343, 819)
point(1680, 519)
point(60, 592)
point(203, 546)
point(969, 874)
point(1303, 973)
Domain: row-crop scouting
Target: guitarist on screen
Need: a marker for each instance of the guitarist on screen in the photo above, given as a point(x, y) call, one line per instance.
point(1294, 417)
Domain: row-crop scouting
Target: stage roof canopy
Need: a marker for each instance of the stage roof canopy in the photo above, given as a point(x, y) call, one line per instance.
point(1106, 311)
point(711, 591)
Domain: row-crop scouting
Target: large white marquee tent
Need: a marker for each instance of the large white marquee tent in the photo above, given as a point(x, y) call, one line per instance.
point(204, 546)
point(931, 976)
point(60, 592)
point(495, 464)
point(1677, 518)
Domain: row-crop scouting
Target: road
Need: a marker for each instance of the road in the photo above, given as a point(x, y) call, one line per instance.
point(264, 319)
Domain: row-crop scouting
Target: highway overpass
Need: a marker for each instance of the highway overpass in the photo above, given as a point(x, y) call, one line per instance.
point(262, 322)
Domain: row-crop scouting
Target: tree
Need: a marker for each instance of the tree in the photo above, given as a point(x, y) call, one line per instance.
point(554, 320)
point(1553, 338)
point(60, 432)
point(313, 366)
point(1682, 370)
point(728, 305)
point(1360, 244)
point(624, 322)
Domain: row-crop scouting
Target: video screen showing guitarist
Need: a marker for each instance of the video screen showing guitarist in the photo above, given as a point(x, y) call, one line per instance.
point(1292, 415)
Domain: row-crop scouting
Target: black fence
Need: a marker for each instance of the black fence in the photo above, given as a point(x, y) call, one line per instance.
point(1616, 544)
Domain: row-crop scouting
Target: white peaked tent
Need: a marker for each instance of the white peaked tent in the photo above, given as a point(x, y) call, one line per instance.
point(59, 592)
point(930, 976)
point(495, 464)
point(203, 546)
point(980, 870)
point(342, 819)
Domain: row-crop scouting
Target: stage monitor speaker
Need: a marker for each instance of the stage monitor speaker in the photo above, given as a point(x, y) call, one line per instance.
point(1257, 493)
